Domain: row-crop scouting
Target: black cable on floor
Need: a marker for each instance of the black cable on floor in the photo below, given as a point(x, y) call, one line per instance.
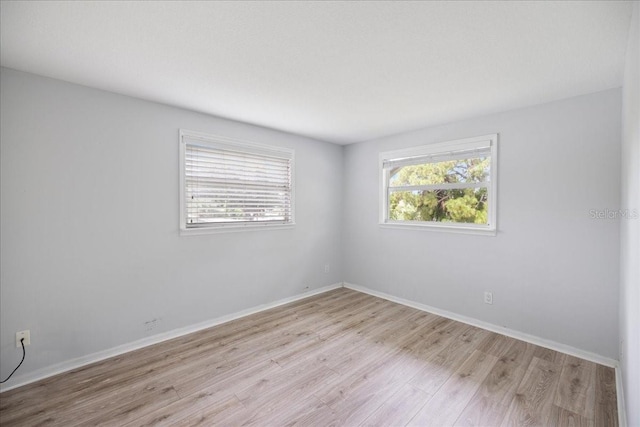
point(24, 353)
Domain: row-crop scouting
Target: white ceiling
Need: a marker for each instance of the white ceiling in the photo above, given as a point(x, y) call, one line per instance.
point(337, 71)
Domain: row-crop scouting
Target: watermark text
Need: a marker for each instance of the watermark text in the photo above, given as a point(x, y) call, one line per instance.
point(614, 214)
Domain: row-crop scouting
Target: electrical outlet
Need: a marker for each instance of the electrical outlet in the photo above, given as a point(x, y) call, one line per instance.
point(327, 267)
point(23, 334)
point(488, 298)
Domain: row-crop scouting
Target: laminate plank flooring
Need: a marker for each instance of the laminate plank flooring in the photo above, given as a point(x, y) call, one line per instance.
point(576, 388)
point(341, 358)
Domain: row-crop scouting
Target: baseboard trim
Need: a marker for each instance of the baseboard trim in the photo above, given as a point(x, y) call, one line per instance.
point(491, 327)
point(622, 410)
point(69, 365)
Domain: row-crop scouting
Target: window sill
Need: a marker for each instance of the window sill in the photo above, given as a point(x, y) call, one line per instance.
point(440, 228)
point(233, 229)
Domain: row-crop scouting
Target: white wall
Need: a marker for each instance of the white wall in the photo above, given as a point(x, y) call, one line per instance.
point(630, 229)
point(553, 270)
point(89, 222)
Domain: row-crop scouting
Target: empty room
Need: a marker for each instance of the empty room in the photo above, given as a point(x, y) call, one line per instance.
point(320, 213)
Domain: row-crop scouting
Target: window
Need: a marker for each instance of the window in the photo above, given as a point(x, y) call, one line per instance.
point(232, 185)
point(446, 186)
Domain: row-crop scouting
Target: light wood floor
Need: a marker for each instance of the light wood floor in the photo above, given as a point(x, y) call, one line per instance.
point(339, 358)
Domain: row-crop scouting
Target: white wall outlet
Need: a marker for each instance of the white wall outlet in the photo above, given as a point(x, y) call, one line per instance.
point(23, 334)
point(488, 298)
point(327, 267)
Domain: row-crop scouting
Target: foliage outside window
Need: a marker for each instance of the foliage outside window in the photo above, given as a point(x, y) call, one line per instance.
point(233, 185)
point(450, 185)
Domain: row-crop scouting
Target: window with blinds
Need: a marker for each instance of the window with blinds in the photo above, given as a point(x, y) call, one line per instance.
point(450, 185)
point(232, 184)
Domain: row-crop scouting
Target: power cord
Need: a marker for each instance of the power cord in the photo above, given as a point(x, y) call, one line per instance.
point(24, 353)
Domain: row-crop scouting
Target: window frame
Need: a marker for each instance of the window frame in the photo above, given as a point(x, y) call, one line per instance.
point(442, 148)
point(216, 141)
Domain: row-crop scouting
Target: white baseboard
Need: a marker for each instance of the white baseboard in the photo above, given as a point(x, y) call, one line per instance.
point(68, 365)
point(622, 410)
point(563, 348)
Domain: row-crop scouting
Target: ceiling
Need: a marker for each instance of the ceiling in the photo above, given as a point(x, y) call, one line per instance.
point(342, 72)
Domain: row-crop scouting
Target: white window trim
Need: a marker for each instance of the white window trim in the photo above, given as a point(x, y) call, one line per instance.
point(225, 228)
point(439, 148)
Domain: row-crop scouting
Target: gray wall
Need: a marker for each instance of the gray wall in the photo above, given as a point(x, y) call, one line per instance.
point(90, 215)
point(630, 229)
point(553, 270)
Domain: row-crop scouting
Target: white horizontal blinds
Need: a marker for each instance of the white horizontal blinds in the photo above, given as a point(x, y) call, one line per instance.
point(226, 185)
point(469, 153)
